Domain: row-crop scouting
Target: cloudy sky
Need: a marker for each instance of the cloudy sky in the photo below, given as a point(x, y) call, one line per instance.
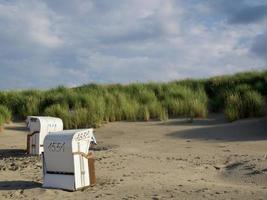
point(58, 42)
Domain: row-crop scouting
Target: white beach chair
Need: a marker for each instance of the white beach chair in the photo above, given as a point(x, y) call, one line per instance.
point(67, 162)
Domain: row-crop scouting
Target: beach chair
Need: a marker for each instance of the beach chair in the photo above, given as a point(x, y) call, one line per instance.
point(39, 127)
point(67, 162)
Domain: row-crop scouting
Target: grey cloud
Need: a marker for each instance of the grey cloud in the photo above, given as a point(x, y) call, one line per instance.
point(259, 46)
point(241, 11)
point(249, 15)
point(137, 34)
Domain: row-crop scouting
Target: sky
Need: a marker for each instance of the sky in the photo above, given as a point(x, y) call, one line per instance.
point(48, 43)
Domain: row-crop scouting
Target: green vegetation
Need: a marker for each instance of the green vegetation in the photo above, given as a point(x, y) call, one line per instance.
point(239, 96)
point(243, 104)
point(2, 121)
point(5, 115)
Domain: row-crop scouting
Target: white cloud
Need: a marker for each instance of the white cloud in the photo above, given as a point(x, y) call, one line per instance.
point(40, 31)
point(32, 22)
point(74, 42)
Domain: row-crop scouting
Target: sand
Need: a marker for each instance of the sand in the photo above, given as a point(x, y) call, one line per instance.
point(206, 159)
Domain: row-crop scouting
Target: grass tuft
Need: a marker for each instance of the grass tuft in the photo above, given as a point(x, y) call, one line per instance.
point(5, 113)
point(244, 104)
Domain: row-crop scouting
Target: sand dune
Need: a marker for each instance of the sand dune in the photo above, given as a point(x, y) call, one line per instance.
point(206, 159)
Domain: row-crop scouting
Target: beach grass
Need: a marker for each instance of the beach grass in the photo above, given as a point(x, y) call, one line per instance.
point(239, 96)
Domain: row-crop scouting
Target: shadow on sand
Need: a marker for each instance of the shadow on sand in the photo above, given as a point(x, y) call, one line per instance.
point(243, 130)
point(5, 153)
point(16, 185)
point(16, 128)
point(213, 119)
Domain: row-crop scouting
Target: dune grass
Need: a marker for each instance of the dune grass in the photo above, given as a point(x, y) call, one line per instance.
point(5, 115)
point(233, 107)
point(2, 121)
point(248, 104)
point(238, 96)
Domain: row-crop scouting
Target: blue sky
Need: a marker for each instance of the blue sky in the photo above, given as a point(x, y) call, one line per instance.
point(48, 43)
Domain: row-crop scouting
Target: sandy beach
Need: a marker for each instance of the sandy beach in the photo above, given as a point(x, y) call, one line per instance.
point(206, 159)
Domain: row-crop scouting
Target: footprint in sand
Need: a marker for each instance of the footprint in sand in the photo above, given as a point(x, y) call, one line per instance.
point(234, 165)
